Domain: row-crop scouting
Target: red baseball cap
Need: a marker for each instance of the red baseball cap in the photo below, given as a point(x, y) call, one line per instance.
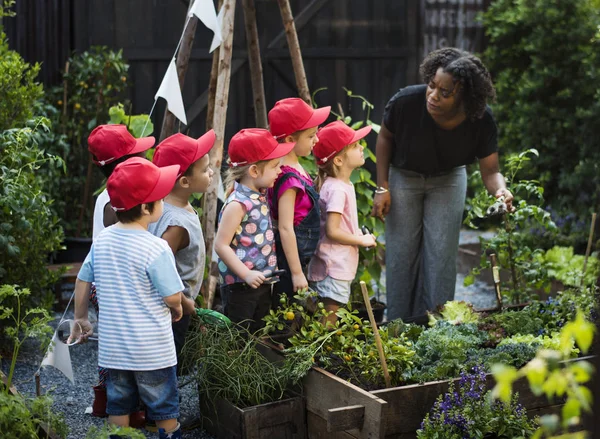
point(111, 142)
point(293, 114)
point(253, 145)
point(183, 150)
point(334, 137)
point(138, 181)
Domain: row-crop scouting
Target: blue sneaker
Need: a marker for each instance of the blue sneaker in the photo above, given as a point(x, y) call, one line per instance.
point(162, 434)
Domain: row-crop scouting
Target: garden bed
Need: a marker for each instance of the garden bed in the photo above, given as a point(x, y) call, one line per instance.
point(338, 409)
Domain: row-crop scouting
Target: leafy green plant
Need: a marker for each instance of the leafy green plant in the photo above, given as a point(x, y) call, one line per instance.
point(455, 312)
point(512, 244)
point(23, 323)
point(19, 90)
point(21, 418)
point(465, 411)
point(567, 267)
point(548, 374)
point(139, 125)
point(545, 59)
point(107, 430)
point(29, 229)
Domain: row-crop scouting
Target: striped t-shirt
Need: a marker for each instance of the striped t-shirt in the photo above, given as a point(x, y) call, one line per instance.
point(133, 270)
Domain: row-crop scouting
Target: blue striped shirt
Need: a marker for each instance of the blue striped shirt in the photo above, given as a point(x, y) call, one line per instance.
point(133, 270)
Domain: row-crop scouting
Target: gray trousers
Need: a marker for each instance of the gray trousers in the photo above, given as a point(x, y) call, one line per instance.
point(421, 233)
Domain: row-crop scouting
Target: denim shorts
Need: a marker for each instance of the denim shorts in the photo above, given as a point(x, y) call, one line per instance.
point(330, 288)
point(156, 388)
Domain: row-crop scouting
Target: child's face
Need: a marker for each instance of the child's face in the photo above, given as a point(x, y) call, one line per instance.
point(201, 175)
point(269, 173)
point(305, 142)
point(354, 157)
point(157, 212)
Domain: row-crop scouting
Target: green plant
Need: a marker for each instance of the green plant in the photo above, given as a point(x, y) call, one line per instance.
point(548, 374)
point(138, 125)
point(19, 90)
point(107, 430)
point(545, 59)
point(466, 411)
point(21, 418)
point(512, 244)
point(455, 312)
point(95, 81)
point(567, 267)
point(24, 322)
point(29, 229)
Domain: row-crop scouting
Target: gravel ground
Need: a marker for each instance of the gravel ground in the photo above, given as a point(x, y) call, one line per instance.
point(73, 399)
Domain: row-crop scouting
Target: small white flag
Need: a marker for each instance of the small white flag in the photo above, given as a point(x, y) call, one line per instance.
point(169, 90)
point(216, 42)
point(58, 355)
point(206, 13)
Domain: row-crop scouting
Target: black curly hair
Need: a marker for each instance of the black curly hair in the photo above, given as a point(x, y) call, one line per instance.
point(476, 82)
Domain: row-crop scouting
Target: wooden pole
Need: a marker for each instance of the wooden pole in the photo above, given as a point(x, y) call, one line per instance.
point(220, 116)
point(295, 52)
point(365, 294)
point(588, 250)
point(256, 72)
point(182, 62)
point(496, 277)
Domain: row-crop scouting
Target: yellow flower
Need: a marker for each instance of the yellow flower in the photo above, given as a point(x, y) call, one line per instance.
point(77, 106)
point(59, 102)
point(123, 78)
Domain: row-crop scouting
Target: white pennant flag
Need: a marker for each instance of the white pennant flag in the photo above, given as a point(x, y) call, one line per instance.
point(169, 90)
point(58, 355)
point(216, 42)
point(205, 11)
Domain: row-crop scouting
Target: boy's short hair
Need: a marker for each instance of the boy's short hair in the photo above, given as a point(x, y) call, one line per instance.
point(135, 213)
point(183, 150)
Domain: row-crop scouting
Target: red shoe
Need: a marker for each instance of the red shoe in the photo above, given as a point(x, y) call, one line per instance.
point(99, 404)
point(137, 419)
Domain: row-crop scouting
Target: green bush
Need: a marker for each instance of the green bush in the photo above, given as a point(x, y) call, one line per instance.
point(18, 89)
point(545, 58)
point(29, 229)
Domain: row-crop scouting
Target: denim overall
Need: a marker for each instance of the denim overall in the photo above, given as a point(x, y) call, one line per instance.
point(307, 238)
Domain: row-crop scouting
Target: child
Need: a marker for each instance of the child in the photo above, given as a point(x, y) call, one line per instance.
point(179, 224)
point(109, 146)
point(333, 267)
point(140, 293)
point(294, 202)
point(245, 242)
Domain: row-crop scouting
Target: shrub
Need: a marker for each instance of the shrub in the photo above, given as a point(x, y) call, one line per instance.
point(545, 57)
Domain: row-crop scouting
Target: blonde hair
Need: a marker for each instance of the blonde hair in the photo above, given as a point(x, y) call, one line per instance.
point(234, 174)
point(328, 169)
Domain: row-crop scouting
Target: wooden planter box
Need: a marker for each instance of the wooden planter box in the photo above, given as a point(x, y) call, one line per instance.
point(337, 409)
point(279, 419)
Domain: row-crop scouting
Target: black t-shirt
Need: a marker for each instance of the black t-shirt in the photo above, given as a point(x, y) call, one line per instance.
point(420, 145)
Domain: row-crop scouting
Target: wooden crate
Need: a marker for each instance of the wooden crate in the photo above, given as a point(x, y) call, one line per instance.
point(280, 419)
point(340, 410)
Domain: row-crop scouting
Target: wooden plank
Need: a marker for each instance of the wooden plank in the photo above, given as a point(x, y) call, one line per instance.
point(301, 20)
point(345, 418)
point(325, 391)
point(317, 429)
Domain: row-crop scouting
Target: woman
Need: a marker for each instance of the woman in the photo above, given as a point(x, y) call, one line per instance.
point(429, 133)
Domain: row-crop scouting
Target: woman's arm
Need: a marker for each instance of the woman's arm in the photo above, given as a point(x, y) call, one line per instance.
point(285, 223)
point(230, 220)
point(335, 233)
point(383, 152)
point(493, 180)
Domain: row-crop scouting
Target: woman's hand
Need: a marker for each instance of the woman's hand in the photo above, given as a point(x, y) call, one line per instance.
point(381, 205)
point(508, 198)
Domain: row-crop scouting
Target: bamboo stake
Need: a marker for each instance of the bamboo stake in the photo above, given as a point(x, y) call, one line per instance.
point(256, 72)
point(365, 294)
point(496, 276)
point(183, 60)
point(589, 247)
point(220, 116)
point(295, 52)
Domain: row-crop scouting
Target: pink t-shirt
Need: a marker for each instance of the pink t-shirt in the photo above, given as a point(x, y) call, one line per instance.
point(303, 202)
point(333, 259)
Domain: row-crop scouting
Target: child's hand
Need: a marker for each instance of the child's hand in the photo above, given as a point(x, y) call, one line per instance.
point(299, 281)
point(188, 305)
point(176, 313)
point(82, 329)
point(368, 240)
point(255, 279)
